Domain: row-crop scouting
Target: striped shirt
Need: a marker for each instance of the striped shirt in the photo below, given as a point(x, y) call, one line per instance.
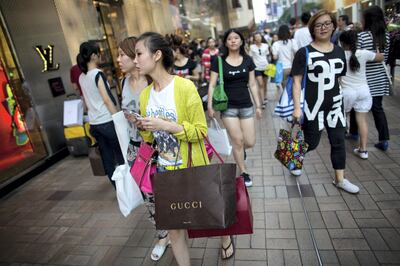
point(206, 61)
point(376, 75)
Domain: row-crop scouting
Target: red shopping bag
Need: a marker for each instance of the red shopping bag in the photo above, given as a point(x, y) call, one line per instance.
point(244, 216)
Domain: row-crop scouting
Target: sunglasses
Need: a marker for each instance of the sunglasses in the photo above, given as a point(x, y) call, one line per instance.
point(259, 51)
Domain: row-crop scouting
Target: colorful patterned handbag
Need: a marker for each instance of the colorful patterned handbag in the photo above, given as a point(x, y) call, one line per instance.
point(290, 150)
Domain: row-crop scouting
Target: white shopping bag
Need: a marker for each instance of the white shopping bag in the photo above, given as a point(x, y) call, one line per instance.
point(128, 193)
point(122, 128)
point(219, 138)
point(73, 113)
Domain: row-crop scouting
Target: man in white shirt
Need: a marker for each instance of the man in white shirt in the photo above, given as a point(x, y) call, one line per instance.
point(302, 35)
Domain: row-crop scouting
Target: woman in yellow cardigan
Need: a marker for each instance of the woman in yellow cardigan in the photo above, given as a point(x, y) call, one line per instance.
point(172, 114)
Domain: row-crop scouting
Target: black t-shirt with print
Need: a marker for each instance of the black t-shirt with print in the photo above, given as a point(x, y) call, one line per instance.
point(187, 69)
point(236, 79)
point(324, 101)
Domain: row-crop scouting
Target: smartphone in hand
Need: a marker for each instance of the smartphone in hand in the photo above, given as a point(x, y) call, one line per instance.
point(130, 113)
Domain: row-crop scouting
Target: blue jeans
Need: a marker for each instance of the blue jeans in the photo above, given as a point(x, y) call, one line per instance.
point(109, 147)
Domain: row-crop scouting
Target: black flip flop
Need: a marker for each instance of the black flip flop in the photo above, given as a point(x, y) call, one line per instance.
point(224, 250)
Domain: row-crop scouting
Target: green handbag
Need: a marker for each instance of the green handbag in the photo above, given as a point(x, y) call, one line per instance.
point(219, 98)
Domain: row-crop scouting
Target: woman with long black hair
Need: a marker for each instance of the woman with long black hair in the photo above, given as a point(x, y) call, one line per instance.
point(173, 118)
point(101, 105)
point(376, 38)
point(356, 93)
point(238, 73)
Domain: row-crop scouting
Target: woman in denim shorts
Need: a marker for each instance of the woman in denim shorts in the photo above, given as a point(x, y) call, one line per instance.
point(239, 76)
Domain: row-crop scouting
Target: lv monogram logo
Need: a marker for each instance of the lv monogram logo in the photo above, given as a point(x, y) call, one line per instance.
point(47, 56)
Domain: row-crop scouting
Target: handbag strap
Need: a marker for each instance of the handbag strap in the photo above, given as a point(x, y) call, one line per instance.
point(220, 71)
point(303, 81)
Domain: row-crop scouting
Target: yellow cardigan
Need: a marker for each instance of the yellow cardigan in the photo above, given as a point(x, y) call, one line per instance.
point(189, 109)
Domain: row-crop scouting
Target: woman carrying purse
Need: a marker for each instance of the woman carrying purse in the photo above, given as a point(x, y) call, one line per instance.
point(323, 103)
point(172, 114)
point(132, 85)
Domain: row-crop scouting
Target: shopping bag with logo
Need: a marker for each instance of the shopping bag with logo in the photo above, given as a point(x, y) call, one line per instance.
point(197, 197)
point(73, 113)
point(291, 150)
point(285, 106)
point(128, 193)
point(219, 138)
point(244, 216)
point(219, 98)
point(122, 129)
point(143, 167)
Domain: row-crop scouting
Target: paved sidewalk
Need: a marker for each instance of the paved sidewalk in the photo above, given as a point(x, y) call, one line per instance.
point(67, 216)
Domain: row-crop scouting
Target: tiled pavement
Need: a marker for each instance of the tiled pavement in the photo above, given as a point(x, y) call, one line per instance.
point(67, 216)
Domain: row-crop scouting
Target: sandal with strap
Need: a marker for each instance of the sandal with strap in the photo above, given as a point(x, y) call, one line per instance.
point(158, 251)
point(224, 250)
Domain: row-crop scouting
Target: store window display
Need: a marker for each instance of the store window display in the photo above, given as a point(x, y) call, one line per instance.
point(21, 142)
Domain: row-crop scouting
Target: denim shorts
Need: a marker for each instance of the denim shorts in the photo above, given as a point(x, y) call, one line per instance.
point(241, 113)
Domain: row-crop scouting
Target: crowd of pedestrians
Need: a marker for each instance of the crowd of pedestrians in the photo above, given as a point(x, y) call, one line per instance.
point(341, 66)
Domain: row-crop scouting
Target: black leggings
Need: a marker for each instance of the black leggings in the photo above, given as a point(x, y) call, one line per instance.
point(312, 136)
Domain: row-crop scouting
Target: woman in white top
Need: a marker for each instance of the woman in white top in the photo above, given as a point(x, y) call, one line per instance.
point(356, 92)
point(259, 51)
point(132, 85)
point(101, 105)
point(284, 51)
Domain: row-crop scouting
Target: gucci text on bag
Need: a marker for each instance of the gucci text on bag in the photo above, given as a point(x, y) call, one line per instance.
point(186, 205)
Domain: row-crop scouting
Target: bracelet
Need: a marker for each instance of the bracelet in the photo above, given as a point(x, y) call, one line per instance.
point(258, 107)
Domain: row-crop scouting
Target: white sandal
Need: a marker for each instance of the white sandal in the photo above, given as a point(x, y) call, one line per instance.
point(158, 251)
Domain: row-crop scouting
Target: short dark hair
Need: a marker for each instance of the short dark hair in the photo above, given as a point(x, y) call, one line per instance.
point(313, 21)
point(156, 42)
point(345, 18)
point(305, 17)
point(292, 21)
point(284, 33)
point(176, 42)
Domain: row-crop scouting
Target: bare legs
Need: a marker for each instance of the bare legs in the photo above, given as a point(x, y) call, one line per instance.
point(243, 135)
point(362, 129)
point(180, 247)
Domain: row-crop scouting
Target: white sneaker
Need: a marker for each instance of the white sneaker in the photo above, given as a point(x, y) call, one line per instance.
point(347, 186)
point(361, 154)
point(296, 172)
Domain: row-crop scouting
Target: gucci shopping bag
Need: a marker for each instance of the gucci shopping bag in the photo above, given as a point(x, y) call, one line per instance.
point(244, 216)
point(198, 197)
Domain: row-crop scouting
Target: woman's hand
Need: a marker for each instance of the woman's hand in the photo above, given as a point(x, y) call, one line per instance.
point(259, 113)
point(130, 117)
point(296, 114)
point(153, 124)
point(210, 111)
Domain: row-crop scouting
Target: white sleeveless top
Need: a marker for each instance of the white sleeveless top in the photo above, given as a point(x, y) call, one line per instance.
point(97, 109)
